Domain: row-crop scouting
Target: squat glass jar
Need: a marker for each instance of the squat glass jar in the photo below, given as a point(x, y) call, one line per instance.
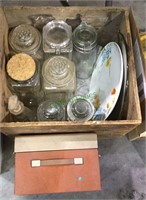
point(27, 39)
point(57, 39)
point(80, 108)
point(85, 49)
point(50, 111)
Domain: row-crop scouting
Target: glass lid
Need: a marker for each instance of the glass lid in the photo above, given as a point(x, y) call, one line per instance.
point(80, 109)
point(57, 34)
point(84, 37)
point(25, 38)
point(50, 111)
point(58, 70)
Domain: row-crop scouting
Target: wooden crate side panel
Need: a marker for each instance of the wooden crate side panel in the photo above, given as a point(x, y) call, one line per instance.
point(138, 132)
point(4, 91)
point(101, 128)
point(133, 108)
point(92, 15)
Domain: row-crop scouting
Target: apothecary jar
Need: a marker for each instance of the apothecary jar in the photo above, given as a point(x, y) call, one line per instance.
point(24, 78)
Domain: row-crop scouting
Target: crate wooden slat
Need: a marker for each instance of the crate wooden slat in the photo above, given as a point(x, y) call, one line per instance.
point(140, 131)
point(98, 17)
point(105, 128)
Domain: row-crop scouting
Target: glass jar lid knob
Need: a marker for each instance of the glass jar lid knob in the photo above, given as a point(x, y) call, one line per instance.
point(58, 69)
point(80, 109)
point(24, 38)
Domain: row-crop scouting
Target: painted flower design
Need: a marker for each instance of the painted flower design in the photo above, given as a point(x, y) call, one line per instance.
point(108, 62)
point(97, 102)
point(113, 91)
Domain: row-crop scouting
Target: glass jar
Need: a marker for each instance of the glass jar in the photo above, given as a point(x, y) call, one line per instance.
point(27, 39)
point(59, 80)
point(84, 53)
point(24, 78)
point(50, 111)
point(80, 109)
point(57, 39)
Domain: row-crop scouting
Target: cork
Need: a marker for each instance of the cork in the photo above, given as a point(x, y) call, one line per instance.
point(21, 67)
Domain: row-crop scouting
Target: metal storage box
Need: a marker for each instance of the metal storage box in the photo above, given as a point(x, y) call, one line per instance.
point(56, 163)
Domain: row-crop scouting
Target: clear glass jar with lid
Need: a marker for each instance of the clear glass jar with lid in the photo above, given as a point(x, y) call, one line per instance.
point(80, 108)
point(57, 39)
point(59, 79)
point(51, 111)
point(26, 39)
point(85, 49)
point(24, 78)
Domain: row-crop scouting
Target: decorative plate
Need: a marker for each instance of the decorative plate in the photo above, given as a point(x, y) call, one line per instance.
point(119, 107)
point(106, 80)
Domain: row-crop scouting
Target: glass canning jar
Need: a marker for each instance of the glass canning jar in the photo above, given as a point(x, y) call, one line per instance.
point(59, 79)
point(24, 78)
point(27, 39)
point(57, 39)
point(84, 53)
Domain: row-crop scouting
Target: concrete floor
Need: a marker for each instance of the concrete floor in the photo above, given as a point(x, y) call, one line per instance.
point(122, 163)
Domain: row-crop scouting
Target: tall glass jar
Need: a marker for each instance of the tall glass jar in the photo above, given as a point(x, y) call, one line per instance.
point(57, 39)
point(84, 53)
point(59, 80)
point(27, 39)
point(24, 78)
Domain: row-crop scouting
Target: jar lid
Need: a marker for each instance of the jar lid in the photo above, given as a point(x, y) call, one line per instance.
point(84, 37)
point(58, 71)
point(80, 109)
point(57, 34)
point(50, 111)
point(25, 38)
point(21, 67)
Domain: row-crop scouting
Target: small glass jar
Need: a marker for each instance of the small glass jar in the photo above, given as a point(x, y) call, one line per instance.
point(51, 111)
point(18, 111)
point(24, 78)
point(27, 39)
point(84, 53)
point(59, 79)
point(80, 109)
point(57, 39)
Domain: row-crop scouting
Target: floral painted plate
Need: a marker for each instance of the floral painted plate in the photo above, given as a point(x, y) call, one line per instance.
point(120, 106)
point(106, 80)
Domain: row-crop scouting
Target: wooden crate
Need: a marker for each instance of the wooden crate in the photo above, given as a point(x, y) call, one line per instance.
point(110, 21)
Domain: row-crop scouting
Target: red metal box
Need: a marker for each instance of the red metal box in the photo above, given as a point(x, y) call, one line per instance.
point(55, 171)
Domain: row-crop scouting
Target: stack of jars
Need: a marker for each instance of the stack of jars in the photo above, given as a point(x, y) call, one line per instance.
point(42, 71)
